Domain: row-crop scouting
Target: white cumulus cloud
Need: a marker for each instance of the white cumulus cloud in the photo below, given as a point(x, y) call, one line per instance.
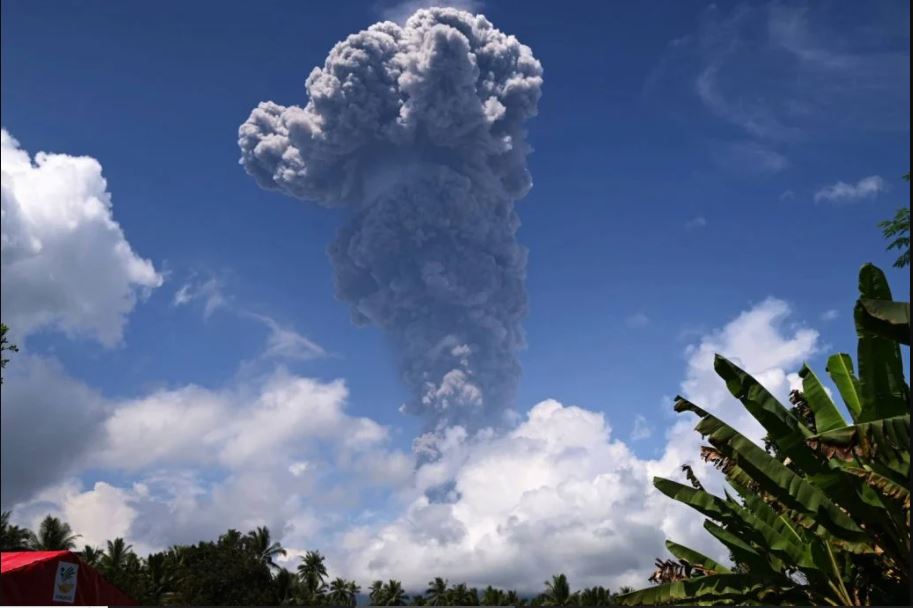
point(558, 492)
point(66, 262)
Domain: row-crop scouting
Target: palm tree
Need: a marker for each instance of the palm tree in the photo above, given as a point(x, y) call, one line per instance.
point(232, 538)
point(342, 592)
point(115, 558)
point(91, 555)
point(262, 544)
point(460, 596)
point(492, 597)
point(53, 535)
point(623, 590)
point(513, 599)
point(557, 591)
point(12, 538)
point(161, 578)
point(595, 596)
point(394, 595)
point(437, 592)
point(354, 589)
point(312, 572)
point(284, 587)
point(377, 593)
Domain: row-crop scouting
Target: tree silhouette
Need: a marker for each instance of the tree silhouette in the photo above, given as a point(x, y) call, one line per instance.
point(312, 571)
point(5, 346)
point(12, 538)
point(393, 594)
point(262, 544)
point(114, 559)
point(53, 535)
point(437, 592)
point(376, 594)
point(557, 592)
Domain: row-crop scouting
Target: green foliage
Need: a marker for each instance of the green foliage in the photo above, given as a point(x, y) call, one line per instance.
point(595, 596)
point(5, 346)
point(823, 516)
point(12, 538)
point(91, 555)
point(221, 573)
point(557, 592)
point(312, 573)
point(437, 593)
point(53, 535)
point(261, 543)
point(898, 229)
point(393, 593)
point(343, 592)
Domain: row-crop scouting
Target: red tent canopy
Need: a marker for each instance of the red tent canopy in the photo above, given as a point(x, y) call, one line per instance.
point(49, 578)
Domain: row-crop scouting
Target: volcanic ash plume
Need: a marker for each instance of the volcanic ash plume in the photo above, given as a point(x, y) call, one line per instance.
point(418, 130)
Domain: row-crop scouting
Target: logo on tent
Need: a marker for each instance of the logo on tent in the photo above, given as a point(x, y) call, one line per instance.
point(65, 582)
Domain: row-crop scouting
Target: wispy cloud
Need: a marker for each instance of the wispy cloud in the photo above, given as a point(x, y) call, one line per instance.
point(696, 222)
point(637, 320)
point(283, 342)
point(779, 74)
point(830, 315)
point(842, 192)
point(641, 429)
point(755, 117)
point(750, 157)
point(789, 29)
point(286, 343)
point(209, 292)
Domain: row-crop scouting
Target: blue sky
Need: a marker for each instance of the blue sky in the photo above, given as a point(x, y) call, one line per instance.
point(682, 158)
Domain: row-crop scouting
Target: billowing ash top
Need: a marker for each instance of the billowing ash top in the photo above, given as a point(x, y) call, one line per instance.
point(446, 80)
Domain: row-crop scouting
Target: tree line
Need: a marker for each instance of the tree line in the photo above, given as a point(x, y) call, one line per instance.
point(241, 569)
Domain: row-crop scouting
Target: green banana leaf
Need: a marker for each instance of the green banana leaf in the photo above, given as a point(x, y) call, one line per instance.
point(881, 371)
point(786, 431)
point(712, 589)
point(743, 552)
point(885, 441)
point(774, 540)
point(696, 559)
point(782, 427)
point(700, 500)
point(883, 484)
point(775, 520)
point(827, 416)
point(886, 318)
point(840, 369)
point(778, 480)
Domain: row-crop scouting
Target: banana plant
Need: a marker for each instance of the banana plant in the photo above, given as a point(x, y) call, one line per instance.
point(823, 517)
